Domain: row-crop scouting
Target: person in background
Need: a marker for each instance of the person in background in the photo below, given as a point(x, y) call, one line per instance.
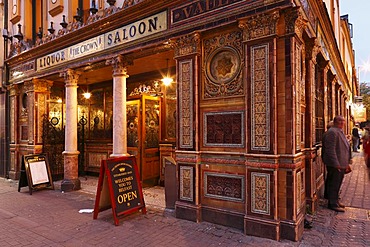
point(366, 145)
point(355, 139)
point(330, 124)
point(336, 157)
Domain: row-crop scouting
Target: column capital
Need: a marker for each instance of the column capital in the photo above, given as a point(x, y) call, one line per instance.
point(13, 89)
point(38, 85)
point(294, 22)
point(119, 64)
point(312, 48)
point(186, 45)
point(260, 25)
point(70, 77)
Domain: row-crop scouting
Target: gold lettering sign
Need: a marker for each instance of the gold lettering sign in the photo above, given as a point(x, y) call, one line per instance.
point(137, 30)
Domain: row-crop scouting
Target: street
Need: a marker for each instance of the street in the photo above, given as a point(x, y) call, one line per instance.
point(52, 218)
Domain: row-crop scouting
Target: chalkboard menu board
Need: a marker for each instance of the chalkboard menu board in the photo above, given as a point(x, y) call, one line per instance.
point(119, 188)
point(35, 172)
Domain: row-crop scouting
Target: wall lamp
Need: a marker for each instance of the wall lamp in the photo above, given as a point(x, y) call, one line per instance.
point(19, 35)
point(6, 35)
point(167, 80)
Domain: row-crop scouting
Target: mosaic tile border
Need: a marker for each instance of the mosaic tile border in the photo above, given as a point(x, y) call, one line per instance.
point(263, 190)
point(260, 98)
point(226, 198)
point(207, 144)
point(186, 102)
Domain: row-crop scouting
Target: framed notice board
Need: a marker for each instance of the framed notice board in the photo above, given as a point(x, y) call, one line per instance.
point(119, 188)
point(35, 172)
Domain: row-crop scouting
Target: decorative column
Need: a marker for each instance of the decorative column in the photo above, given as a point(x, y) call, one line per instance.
point(187, 51)
point(71, 181)
point(268, 131)
point(312, 49)
point(35, 101)
point(119, 64)
point(15, 158)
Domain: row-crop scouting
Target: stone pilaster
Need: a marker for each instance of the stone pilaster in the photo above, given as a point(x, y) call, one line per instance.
point(119, 64)
point(71, 181)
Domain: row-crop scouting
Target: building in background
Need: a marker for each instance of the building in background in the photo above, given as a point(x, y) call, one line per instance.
point(254, 85)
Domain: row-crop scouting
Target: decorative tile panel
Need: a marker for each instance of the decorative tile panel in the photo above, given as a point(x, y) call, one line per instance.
point(227, 187)
point(223, 65)
point(224, 129)
point(298, 89)
point(41, 101)
point(260, 98)
point(300, 190)
point(186, 103)
point(260, 194)
point(186, 183)
point(12, 119)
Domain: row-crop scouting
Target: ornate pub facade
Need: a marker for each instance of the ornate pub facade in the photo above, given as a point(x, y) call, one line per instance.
point(255, 83)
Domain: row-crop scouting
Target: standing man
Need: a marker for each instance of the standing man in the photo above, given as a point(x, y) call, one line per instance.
point(337, 158)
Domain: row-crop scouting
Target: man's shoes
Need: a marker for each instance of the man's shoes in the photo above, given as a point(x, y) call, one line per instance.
point(341, 205)
point(336, 208)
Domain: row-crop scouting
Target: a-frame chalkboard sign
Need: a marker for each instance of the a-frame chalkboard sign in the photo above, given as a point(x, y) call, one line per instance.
point(119, 188)
point(35, 173)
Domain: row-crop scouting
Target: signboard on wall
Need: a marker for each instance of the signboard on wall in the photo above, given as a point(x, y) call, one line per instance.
point(359, 113)
point(119, 188)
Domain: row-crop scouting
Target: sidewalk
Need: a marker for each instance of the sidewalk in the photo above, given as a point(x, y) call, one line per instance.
point(52, 218)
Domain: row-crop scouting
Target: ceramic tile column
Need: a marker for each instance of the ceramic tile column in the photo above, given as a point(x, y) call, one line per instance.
point(119, 64)
point(71, 181)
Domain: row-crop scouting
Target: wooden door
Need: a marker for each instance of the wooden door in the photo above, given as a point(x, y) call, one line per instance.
point(134, 131)
point(150, 137)
point(143, 135)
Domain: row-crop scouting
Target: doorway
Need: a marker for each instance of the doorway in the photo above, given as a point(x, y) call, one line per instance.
point(143, 136)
